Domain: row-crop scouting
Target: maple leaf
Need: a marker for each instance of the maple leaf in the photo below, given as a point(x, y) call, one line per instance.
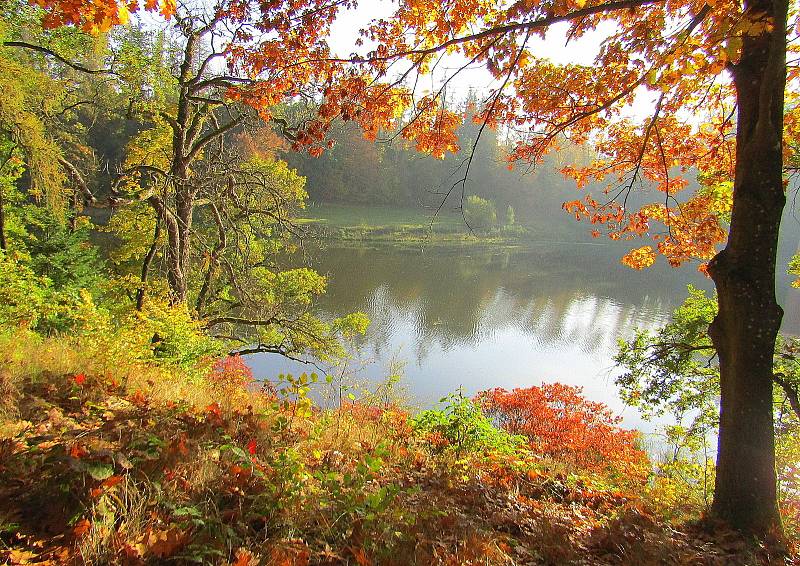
point(164, 543)
point(640, 257)
point(139, 399)
point(77, 451)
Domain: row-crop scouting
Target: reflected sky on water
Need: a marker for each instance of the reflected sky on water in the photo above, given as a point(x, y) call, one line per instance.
point(483, 318)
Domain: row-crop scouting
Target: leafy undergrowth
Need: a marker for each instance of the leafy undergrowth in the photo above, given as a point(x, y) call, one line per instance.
point(137, 465)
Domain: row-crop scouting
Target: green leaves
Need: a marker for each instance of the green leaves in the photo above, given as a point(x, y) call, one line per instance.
point(462, 426)
point(480, 213)
point(98, 471)
point(674, 370)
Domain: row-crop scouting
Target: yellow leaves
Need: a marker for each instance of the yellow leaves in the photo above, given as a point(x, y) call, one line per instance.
point(152, 147)
point(639, 258)
point(732, 48)
point(162, 543)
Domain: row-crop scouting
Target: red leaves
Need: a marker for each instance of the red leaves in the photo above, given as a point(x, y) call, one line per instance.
point(289, 553)
point(231, 372)
point(139, 399)
point(245, 558)
point(79, 379)
point(639, 258)
point(95, 16)
point(77, 451)
point(214, 410)
point(252, 447)
point(360, 556)
point(214, 414)
point(561, 423)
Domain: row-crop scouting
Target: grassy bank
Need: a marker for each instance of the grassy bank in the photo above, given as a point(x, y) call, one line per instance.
point(404, 226)
point(108, 462)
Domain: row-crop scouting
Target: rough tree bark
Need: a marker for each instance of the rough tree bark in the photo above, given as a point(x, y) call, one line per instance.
point(749, 317)
point(148, 260)
point(3, 245)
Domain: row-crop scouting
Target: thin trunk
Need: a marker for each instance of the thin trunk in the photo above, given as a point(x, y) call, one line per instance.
point(148, 259)
point(3, 245)
point(749, 317)
point(184, 210)
point(213, 261)
point(73, 219)
point(175, 274)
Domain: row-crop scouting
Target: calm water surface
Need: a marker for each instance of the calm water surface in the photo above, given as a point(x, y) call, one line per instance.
point(496, 318)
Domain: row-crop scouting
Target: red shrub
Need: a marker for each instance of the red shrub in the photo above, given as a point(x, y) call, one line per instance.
point(561, 423)
point(231, 372)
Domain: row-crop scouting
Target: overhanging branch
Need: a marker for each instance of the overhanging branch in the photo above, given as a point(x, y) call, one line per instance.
point(56, 56)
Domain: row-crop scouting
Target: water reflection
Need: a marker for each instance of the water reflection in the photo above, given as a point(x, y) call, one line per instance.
point(481, 319)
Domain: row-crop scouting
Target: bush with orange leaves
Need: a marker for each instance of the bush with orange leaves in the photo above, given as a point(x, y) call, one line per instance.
point(231, 377)
point(561, 423)
point(231, 372)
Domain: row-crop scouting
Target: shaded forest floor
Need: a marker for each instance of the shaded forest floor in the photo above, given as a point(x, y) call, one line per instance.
point(133, 464)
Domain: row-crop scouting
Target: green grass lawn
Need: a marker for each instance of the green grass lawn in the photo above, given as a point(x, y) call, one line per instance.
point(398, 225)
point(360, 216)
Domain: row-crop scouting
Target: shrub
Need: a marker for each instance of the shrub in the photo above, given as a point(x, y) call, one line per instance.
point(461, 425)
point(480, 213)
point(230, 372)
point(510, 216)
point(559, 422)
point(30, 301)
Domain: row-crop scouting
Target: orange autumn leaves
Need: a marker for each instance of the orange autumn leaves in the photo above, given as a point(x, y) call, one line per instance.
point(94, 16)
point(673, 55)
point(562, 424)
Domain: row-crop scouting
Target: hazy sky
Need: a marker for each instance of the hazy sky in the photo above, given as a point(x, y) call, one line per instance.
point(581, 51)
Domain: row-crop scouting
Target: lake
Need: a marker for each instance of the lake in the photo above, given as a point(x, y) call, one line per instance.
point(482, 318)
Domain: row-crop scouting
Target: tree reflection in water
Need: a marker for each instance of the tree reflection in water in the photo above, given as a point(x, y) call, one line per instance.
point(489, 318)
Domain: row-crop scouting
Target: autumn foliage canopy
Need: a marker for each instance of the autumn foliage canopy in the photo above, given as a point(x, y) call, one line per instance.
point(676, 54)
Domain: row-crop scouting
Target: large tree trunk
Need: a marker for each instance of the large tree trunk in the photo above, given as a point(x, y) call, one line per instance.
point(749, 316)
point(184, 204)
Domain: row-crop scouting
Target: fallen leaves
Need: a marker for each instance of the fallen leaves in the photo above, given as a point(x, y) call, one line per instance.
point(245, 558)
point(162, 543)
point(184, 479)
point(81, 528)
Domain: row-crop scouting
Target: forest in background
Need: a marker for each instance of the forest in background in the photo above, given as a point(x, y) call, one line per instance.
point(147, 211)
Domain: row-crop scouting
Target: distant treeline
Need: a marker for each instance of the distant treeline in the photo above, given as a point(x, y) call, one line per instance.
point(391, 172)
